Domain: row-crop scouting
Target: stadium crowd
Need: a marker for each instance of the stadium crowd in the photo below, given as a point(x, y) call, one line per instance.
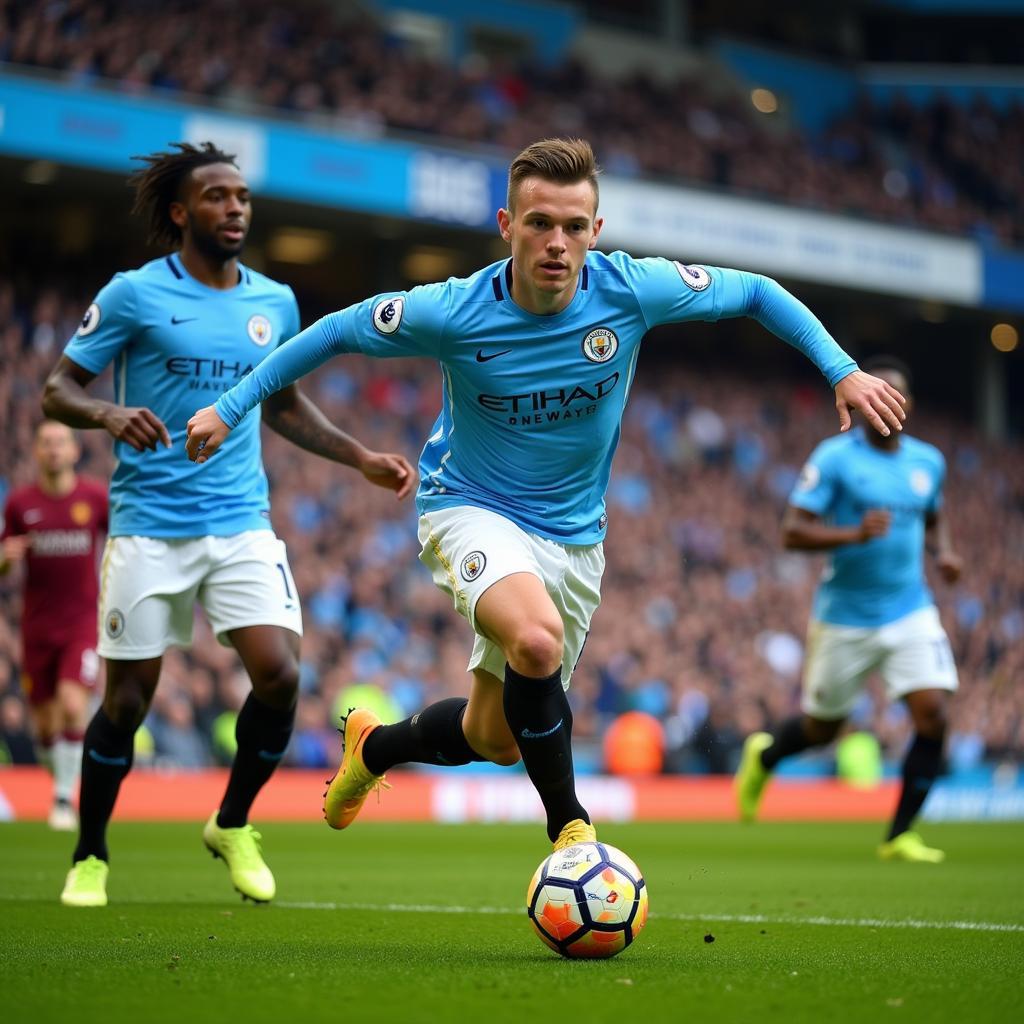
point(706, 462)
point(941, 166)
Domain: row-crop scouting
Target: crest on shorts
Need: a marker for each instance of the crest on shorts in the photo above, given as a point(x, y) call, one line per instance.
point(600, 345)
point(920, 482)
point(259, 329)
point(114, 623)
point(90, 321)
point(472, 565)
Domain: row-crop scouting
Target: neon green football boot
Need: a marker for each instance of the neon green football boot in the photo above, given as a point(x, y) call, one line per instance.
point(752, 775)
point(239, 848)
point(86, 884)
point(909, 846)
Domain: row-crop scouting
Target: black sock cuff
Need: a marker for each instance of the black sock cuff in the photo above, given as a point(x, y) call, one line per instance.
point(542, 685)
point(105, 733)
point(266, 716)
point(924, 758)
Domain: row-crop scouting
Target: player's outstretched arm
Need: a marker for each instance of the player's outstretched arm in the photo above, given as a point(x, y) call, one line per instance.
point(205, 433)
point(879, 403)
point(296, 417)
point(757, 296)
point(804, 531)
point(65, 399)
point(947, 561)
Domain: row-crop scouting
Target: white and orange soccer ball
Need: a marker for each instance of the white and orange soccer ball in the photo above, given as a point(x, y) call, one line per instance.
point(587, 901)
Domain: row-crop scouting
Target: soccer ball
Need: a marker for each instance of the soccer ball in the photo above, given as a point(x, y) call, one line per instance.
point(588, 900)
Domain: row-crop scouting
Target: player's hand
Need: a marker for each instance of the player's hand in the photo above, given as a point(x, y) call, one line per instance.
point(879, 403)
point(876, 523)
point(950, 565)
point(387, 470)
point(15, 548)
point(205, 434)
point(139, 427)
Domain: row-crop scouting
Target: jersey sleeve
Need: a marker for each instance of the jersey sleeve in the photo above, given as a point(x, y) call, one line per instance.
point(671, 292)
point(818, 483)
point(107, 326)
point(401, 324)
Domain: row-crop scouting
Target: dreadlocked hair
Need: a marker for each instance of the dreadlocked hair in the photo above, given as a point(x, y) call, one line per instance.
point(159, 184)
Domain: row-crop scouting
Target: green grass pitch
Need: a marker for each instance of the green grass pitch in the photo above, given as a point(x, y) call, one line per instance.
point(408, 923)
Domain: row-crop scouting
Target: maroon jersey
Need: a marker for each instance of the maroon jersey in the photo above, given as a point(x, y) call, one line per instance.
point(61, 588)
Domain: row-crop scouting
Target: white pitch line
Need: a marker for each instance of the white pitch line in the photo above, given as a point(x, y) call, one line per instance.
point(842, 922)
point(430, 908)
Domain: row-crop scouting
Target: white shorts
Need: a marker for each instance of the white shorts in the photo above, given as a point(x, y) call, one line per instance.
point(149, 587)
point(467, 549)
point(912, 654)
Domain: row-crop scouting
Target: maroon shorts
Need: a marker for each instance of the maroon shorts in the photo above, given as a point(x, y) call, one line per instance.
point(45, 665)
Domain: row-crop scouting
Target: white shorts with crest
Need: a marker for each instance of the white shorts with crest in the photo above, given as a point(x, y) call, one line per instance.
point(149, 587)
point(468, 549)
point(911, 654)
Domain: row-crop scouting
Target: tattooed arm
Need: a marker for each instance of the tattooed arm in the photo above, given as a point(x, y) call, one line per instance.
point(294, 416)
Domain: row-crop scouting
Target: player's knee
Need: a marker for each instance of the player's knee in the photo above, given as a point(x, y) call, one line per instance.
point(127, 706)
point(930, 720)
point(536, 649)
point(277, 683)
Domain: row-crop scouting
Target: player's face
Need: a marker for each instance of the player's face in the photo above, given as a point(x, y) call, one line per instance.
point(550, 229)
point(215, 212)
point(55, 448)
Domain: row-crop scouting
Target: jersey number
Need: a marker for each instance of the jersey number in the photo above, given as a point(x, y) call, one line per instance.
point(284, 577)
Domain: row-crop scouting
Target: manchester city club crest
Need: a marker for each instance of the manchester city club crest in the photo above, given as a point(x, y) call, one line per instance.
point(600, 345)
point(472, 565)
point(260, 331)
point(114, 623)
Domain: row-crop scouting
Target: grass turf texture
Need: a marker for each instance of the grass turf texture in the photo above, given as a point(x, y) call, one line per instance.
point(176, 944)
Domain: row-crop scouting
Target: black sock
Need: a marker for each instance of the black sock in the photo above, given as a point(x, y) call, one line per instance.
point(538, 714)
point(107, 753)
point(262, 733)
point(432, 736)
point(920, 769)
point(789, 738)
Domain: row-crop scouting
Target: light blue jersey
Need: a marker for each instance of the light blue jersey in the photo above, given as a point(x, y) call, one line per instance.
point(176, 345)
point(532, 405)
point(883, 579)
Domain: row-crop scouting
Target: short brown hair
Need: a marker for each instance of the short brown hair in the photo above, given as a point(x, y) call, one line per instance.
point(563, 161)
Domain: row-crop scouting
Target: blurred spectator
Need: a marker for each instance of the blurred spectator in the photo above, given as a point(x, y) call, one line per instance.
point(16, 743)
point(945, 166)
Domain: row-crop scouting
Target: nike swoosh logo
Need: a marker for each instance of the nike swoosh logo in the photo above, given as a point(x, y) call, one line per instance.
point(481, 358)
point(528, 735)
point(183, 319)
point(115, 761)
